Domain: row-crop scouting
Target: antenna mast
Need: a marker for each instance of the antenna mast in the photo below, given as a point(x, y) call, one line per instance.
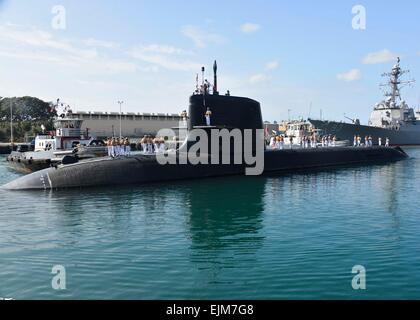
point(310, 110)
point(215, 78)
point(395, 82)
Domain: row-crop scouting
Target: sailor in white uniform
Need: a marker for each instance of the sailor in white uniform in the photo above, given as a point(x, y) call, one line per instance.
point(109, 146)
point(380, 142)
point(184, 116)
point(117, 147)
point(208, 117)
point(127, 147)
point(281, 142)
point(314, 142)
point(273, 142)
point(162, 145)
point(151, 145)
point(156, 145)
point(114, 146)
point(143, 144)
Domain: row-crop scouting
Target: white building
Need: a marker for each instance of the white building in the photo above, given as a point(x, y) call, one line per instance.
point(134, 125)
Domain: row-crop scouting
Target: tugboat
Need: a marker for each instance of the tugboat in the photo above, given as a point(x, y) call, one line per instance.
point(298, 130)
point(391, 118)
point(67, 144)
point(209, 116)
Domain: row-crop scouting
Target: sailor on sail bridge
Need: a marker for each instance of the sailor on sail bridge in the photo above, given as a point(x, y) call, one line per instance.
point(184, 117)
point(208, 117)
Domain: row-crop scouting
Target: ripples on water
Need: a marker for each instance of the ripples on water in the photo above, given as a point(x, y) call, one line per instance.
point(278, 237)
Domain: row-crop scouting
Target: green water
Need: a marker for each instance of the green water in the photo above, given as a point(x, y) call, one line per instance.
point(294, 236)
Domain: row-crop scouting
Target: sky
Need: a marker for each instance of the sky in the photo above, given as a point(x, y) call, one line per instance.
point(294, 57)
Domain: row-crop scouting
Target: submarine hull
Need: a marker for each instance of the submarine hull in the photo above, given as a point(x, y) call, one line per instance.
point(23, 165)
point(290, 160)
point(144, 168)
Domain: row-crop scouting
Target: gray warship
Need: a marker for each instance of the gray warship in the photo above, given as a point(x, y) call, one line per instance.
point(229, 113)
point(391, 118)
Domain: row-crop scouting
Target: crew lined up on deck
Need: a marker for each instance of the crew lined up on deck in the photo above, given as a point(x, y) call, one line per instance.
point(152, 145)
point(278, 142)
point(118, 147)
point(328, 141)
point(207, 115)
point(121, 147)
point(368, 141)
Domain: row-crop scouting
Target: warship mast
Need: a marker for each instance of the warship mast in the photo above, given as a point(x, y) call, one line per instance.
point(396, 84)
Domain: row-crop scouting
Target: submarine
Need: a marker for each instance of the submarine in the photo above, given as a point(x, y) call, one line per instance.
point(209, 115)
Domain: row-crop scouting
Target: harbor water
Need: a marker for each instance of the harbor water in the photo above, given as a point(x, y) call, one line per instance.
point(290, 236)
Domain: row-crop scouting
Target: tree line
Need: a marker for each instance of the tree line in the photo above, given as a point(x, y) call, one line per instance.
point(28, 115)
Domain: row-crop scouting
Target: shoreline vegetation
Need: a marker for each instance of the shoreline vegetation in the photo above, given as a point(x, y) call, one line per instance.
point(28, 115)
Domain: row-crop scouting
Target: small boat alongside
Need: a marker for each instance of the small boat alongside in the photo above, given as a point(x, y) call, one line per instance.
point(67, 144)
point(7, 148)
point(302, 134)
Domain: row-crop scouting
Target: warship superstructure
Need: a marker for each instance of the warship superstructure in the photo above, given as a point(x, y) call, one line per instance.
point(391, 118)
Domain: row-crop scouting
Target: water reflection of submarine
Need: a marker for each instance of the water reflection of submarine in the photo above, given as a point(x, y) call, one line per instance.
point(228, 112)
point(220, 214)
